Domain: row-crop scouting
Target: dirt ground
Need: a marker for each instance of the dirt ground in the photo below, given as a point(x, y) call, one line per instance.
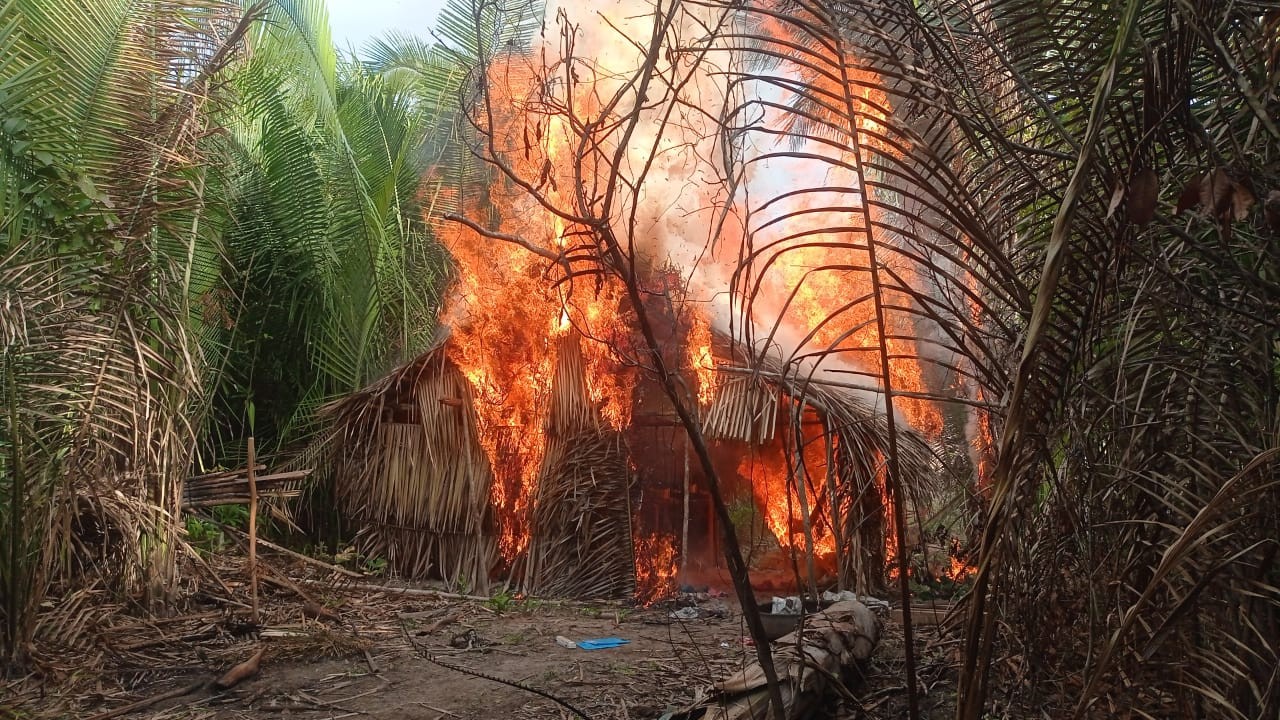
point(661, 665)
point(366, 656)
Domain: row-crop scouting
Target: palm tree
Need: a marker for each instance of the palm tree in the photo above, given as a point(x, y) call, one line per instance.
point(331, 262)
point(443, 78)
point(173, 260)
point(1079, 188)
point(103, 175)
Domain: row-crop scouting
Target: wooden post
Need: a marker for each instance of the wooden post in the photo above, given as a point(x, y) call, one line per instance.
point(253, 530)
point(684, 535)
point(631, 526)
point(713, 527)
point(799, 473)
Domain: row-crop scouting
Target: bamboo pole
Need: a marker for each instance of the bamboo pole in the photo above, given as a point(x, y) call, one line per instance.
point(253, 529)
point(295, 555)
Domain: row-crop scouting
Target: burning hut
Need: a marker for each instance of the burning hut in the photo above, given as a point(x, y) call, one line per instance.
point(572, 464)
point(612, 510)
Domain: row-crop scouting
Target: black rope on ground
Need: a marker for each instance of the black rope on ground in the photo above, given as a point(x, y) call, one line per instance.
point(426, 654)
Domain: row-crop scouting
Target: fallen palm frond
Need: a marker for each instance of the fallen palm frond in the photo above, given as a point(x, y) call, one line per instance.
point(812, 665)
point(309, 642)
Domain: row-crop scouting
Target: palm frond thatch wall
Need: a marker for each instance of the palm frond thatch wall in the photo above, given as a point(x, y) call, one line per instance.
point(580, 541)
point(412, 475)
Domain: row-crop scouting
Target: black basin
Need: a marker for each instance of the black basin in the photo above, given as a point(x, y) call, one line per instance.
point(778, 624)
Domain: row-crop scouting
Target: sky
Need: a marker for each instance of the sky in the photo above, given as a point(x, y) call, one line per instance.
point(354, 22)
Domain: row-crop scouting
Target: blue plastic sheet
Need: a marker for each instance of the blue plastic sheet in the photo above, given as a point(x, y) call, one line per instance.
point(602, 643)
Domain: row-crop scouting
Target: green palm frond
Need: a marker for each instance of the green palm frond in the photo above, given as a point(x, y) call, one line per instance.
point(327, 229)
point(294, 47)
point(475, 31)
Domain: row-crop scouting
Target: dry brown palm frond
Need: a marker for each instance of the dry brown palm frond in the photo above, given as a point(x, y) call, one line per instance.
point(309, 642)
point(1140, 392)
point(105, 378)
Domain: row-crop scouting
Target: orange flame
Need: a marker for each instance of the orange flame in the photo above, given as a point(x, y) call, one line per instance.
point(700, 359)
point(777, 495)
point(655, 567)
point(960, 570)
point(509, 305)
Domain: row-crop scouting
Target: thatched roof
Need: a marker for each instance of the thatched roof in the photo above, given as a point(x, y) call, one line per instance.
point(748, 401)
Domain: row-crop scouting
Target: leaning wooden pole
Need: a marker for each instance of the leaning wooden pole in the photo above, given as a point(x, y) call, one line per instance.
point(799, 473)
point(836, 531)
point(253, 531)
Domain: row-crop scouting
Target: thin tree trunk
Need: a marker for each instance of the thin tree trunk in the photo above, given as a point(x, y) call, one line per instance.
point(684, 533)
point(253, 530)
point(14, 598)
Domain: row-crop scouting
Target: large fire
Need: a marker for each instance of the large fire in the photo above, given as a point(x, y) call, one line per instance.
point(511, 302)
point(776, 484)
point(510, 305)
